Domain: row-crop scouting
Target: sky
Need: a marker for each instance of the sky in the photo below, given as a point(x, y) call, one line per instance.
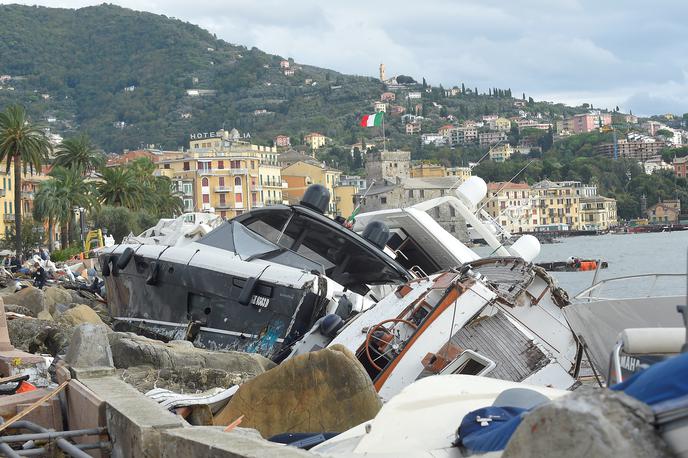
point(626, 53)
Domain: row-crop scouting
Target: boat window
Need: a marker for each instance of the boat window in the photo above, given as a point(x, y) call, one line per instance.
point(345, 260)
point(269, 224)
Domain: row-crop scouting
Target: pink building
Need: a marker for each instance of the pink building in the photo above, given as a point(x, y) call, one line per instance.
point(388, 97)
point(282, 140)
point(582, 123)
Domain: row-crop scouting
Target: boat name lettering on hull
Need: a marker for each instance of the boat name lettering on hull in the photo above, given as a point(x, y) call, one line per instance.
point(260, 301)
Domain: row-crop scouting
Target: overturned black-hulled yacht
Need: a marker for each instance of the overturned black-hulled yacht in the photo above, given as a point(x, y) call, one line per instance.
point(254, 283)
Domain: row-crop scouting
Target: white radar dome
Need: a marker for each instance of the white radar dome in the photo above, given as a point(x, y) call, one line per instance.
point(526, 247)
point(472, 191)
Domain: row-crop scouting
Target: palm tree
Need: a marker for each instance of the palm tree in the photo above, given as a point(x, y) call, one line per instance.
point(164, 200)
point(51, 203)
point(120, 187)
point(78, 153)
point(25, 145)
point(71, 191)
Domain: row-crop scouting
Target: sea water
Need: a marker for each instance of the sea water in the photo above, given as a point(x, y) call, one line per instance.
point(627, 254)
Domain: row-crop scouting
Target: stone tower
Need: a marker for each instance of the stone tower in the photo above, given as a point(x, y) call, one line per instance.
point(382, 73)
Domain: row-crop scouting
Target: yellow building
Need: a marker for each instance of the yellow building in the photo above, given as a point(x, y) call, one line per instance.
point(315, 140)
point(667, 212)
point(428, 170)
point(598, 213)
point(557, 205)
point(302, 174)
point(30, 184)
point(344, 200)
point(464, 173)
point(502, 124)
point(511, 205)
point(501, 153)
point(223, 173)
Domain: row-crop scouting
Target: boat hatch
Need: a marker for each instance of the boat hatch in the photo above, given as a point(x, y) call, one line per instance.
point(496, 338)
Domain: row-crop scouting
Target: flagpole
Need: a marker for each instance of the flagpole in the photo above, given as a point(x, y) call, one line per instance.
point(384, 141)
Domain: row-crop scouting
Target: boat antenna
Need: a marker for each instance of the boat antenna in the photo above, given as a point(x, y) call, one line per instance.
point(352, 217)
point(505, 185)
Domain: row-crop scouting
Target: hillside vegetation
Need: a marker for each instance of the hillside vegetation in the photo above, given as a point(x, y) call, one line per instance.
point(84, 59)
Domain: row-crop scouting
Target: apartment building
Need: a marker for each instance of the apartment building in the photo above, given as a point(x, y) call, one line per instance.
point(640, 150)
point(462, 173)
point(490, 138)
point(224, 174)
point(501, 153)
point(598, 213)
point(588, 122)
point(512, 205)
point(557, 206)
point(299, 175)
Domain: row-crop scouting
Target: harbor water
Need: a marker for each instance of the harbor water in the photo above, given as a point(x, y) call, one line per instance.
point(627, 254)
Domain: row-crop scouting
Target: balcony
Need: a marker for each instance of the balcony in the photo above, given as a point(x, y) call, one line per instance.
point(238, 171)
point(223, 189)
point(229, 206)
point(256, 187)
point(28, 195)
point(3, 192)
point(9, 218)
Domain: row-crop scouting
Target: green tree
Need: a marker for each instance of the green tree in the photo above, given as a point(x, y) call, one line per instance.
point(118, 221)
point(665, 133)
point(32, 236)
point(72, 192)
point(26, 146)
point(120, 188)
point(80, 154)
point(50, 204)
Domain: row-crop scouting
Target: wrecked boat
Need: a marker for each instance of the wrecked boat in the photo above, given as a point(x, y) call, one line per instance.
point(499, 317)
point(252, 284)
point(405, 296)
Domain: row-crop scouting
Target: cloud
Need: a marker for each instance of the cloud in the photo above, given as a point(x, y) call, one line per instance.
point(629, 54)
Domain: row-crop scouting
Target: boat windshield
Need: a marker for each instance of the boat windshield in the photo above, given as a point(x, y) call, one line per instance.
point(347, 259)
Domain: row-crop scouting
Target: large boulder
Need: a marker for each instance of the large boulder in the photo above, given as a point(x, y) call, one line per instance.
point(55, 296)
point(327, 390)
point(30, 298)
point(181, 380)
point(89, 350)
point(129, 349)
point(80, 314)
point(39, 336)
point(600, 423)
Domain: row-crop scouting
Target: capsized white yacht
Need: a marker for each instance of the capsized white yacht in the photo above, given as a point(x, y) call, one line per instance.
point(500, 317)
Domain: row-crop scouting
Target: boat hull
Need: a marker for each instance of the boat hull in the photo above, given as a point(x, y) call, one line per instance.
point(161, 295)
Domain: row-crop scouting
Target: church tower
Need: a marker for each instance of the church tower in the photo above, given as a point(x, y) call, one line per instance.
point(382, 73)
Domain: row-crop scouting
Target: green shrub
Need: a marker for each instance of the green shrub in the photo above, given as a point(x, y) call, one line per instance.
point(63, 255)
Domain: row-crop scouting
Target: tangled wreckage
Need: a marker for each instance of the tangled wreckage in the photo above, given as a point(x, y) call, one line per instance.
point(405, 296)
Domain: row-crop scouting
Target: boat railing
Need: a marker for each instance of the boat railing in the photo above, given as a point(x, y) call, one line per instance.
point(594, 291)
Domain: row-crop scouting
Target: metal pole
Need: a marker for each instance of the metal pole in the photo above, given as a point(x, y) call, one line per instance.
point(81, 229)
point(63, 444)
point(8, 452)
point(384, 142)
point(52, 435)
point(42, 451)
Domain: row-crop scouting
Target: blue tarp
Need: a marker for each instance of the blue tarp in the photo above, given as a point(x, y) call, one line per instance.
point(662, 381)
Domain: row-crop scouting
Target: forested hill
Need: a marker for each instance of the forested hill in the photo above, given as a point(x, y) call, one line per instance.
point(122, 77)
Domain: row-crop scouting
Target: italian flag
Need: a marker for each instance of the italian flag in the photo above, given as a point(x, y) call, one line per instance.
point(373, 120)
